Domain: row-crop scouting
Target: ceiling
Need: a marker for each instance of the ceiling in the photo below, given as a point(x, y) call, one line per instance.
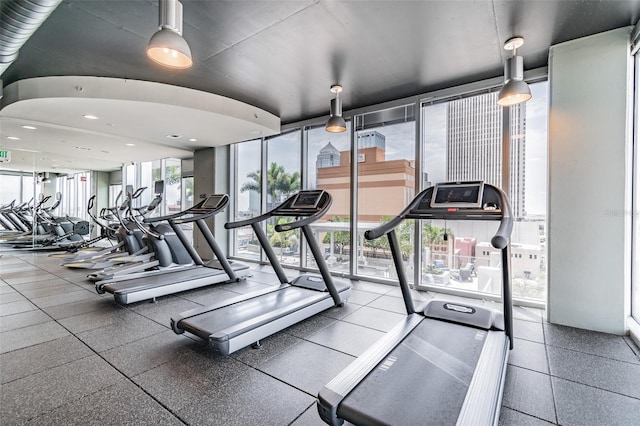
point(277, 58)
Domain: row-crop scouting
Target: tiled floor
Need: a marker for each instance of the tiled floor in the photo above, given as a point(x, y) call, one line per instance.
point(71, 356)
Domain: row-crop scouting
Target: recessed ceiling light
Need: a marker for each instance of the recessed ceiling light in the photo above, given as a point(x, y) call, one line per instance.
point(13, 138)
point(193, 140)
point(174, 136)
point(29, 127)
point(130, 144)
point(256, 132)
point(90, 117)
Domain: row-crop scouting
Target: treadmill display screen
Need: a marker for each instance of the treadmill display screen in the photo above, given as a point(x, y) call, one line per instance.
point(212, 202)
point(465, 195)
point(306, 200)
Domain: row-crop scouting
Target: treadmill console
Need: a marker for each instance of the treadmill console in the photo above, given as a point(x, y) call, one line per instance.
point(307, 199)
point(212, 202)
point(466, 195)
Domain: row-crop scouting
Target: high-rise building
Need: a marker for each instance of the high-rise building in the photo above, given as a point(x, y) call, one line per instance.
point(474, 141)
point(329, 156)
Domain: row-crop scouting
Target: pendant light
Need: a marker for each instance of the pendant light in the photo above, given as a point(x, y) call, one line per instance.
point(336, 123)
point(515, 90)
point(167, 47)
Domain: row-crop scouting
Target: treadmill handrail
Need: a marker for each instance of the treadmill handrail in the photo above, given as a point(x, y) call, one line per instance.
point(307, 219)
point(385, 228)
point(499, 240)
point(310, 215)
point(191, 210)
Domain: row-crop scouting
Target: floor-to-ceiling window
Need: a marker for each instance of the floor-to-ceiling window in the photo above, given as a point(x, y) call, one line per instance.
point(247, 196)
point(385, 142)
point(462, 140)
point(635, 251)
point(283, 180)
point(328, 167)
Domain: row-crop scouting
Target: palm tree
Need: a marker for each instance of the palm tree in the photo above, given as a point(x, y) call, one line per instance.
point(280, 184)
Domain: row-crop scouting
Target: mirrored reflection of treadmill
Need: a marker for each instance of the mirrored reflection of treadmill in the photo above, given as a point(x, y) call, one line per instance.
point(233, 324)
point(160, 283)
point(445, 364)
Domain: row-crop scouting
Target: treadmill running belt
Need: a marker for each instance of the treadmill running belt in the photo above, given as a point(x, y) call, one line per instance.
point(424, 379)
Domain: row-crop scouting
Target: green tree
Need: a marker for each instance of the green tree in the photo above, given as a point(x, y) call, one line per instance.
point(280, 184)
point(340, 238)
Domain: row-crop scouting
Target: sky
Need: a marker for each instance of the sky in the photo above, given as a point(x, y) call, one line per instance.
point(285, 149)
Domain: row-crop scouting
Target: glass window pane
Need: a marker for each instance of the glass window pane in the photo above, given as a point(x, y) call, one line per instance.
point(283, 180)
point(172, 180)
point(635, 274)
point(328, 168)
point(462, 141)
point(247, 197)
point(386, 165)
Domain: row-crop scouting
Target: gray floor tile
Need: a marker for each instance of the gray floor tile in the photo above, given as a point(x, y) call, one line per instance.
point(121, 404)
point(582, 405)
point(509, 417)
point(389, 303)
point(374, 318)
point(16, 307)
point(32, 335)
point(34, 359)
point(119, 333)
point(107, 315)
point(339, 312)
point(194, 373)
point(604, 373)
point(61, 299)
point(360, 297)
point(33, 285)
point(307, 366)
point(23, 319)
point(74, 308)
point(29, 276)
point(163, 309)
point(309, 418)
point(527, 314)
point(528, 330)
point(593, 342)
point(51, 290)
point(36, 394)
point(147, 353)
point(11, 297)
point(309, 326)
point(530, 355)
point(208, 296)
point(270, 347)
point(348, 338)
point(529, 392)
point(272, 403)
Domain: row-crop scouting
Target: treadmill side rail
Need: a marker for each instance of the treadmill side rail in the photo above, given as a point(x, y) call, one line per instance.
point(337, 389)
point(482, 404)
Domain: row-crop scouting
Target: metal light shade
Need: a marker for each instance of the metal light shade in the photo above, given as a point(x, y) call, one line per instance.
point(168, 48)
point(336, 123)
point(515, 90)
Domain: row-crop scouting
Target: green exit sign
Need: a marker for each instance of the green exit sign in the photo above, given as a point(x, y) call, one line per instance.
point(5, 156)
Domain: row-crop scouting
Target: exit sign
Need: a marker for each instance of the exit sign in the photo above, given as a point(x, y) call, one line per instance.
point(5, 156)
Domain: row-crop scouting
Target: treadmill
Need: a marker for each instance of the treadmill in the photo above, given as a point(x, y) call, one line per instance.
point(234, 324)
point(162, 282)
point(445, 364)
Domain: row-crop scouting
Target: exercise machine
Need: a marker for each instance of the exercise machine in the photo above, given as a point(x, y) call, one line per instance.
point(168, 242)
point(234, 324)
point(445, 363)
